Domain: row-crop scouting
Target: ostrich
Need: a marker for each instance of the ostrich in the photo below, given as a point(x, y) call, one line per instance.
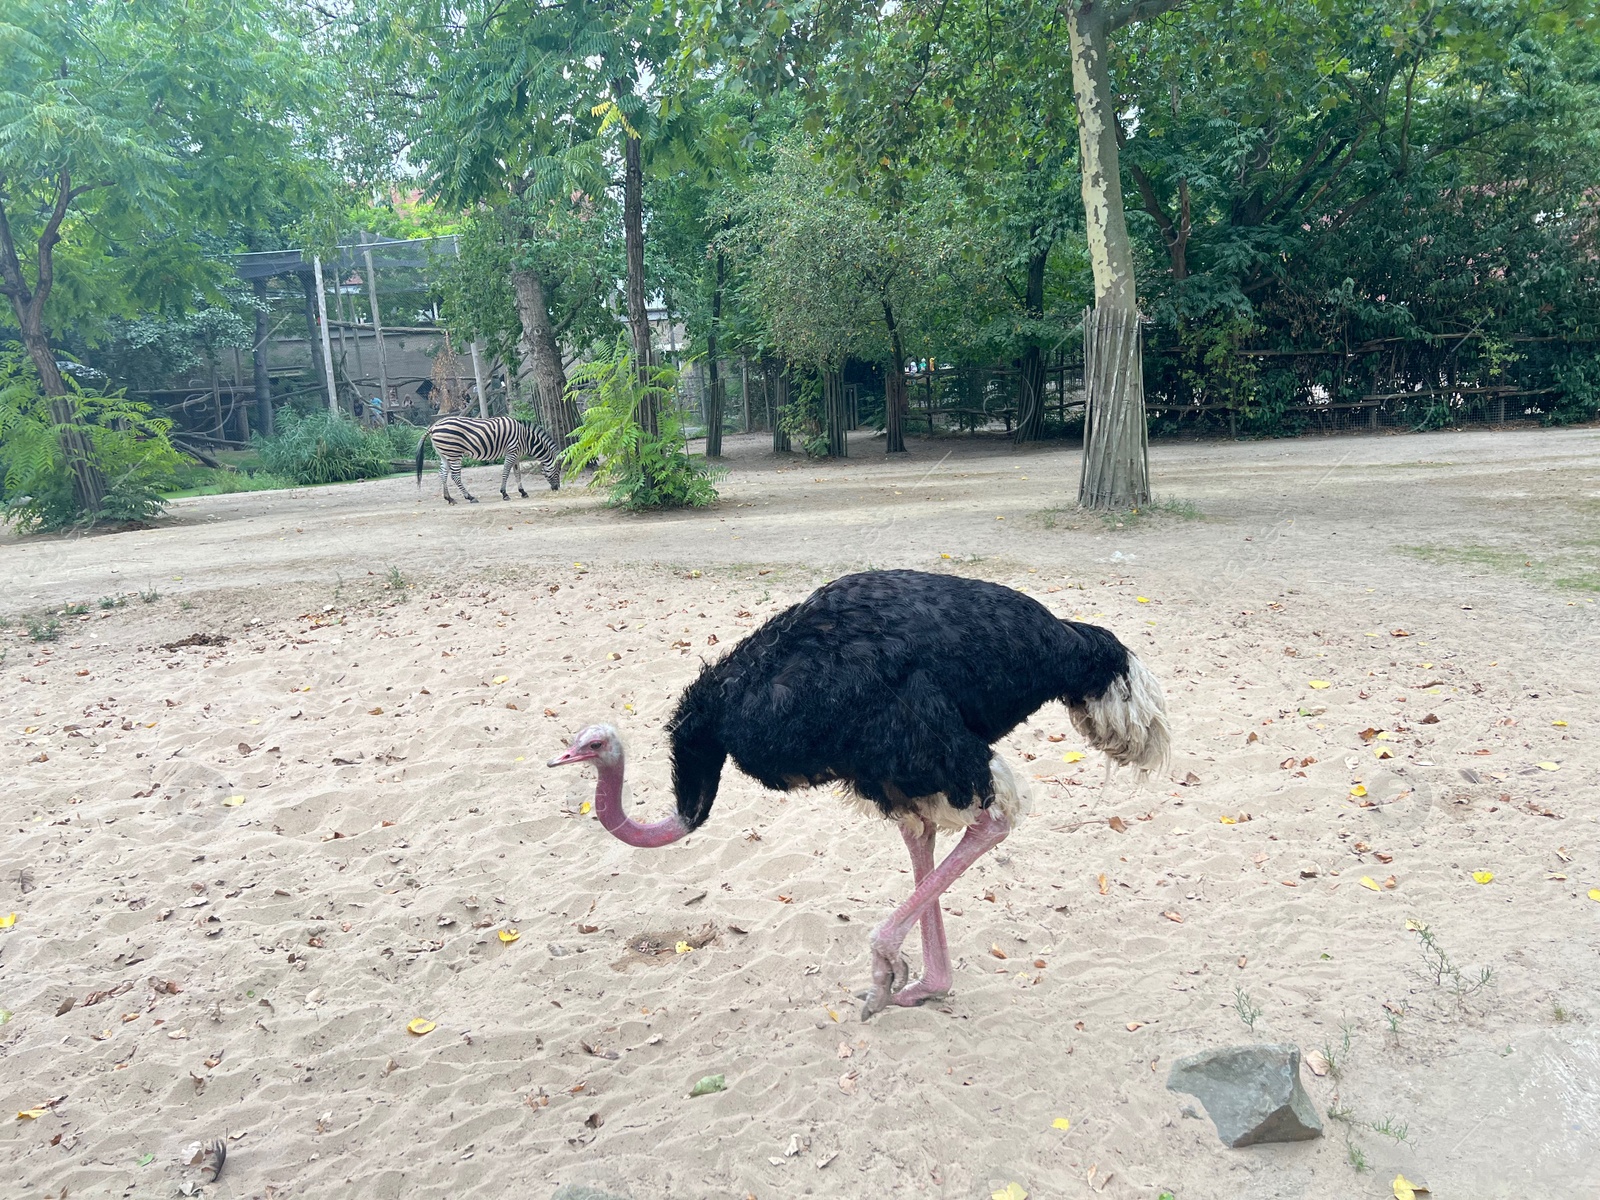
point(896, 684)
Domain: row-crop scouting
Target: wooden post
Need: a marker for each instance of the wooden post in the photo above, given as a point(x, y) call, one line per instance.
point(377, 320)
point(355, 328)
point(744, 390)
point(327, 346)
point(241, 412)
point(258, 358)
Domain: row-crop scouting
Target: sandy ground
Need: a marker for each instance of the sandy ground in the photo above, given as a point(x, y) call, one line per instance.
point(277, 851)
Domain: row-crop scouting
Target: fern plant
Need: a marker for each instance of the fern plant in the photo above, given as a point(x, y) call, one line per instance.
point(643, 471)
point(129, 443)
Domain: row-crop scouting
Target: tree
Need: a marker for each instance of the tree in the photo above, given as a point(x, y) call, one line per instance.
point(130, 133)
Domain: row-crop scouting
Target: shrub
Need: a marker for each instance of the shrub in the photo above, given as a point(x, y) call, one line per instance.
point(325, 447)
point(129, 445)
point(644, 472)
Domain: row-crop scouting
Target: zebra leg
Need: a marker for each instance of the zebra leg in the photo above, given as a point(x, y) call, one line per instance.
point(518, 469)
point(505, 473)
point(444, 477)
point(455, 471)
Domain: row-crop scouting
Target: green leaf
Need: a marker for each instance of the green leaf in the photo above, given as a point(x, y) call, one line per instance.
point(707, 1085)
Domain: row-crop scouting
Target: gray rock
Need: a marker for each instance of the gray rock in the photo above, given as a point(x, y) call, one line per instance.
point(1252, 1093)
point(582, 1191)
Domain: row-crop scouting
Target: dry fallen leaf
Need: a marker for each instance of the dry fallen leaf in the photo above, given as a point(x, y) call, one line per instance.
point(1367, 881)
point(1319, 684)
point(1594, 893)
point(1061, 1123)
point(233, 802)
point(1073, 756)
point(997, 952)
point(847, 1082)
point(7, 921)
point(1175, 918)
point(1011, 1191)
point(509, 935)
point(1118, 824)
point(1318, 1062)
point(501, 678)
point(1483, 877)
point(1135, 1025)
point(420, 1026)
point(1103, 885)
point(1549, 766)
point(1358, 790)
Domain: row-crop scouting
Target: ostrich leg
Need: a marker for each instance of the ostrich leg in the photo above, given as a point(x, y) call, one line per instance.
point(936, 977)
point(889, 969)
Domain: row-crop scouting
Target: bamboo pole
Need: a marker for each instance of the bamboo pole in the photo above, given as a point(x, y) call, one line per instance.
point(477, 367)
point(327, 347)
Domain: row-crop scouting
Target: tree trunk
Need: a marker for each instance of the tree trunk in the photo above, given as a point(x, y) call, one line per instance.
point(1116, 469)
point(258, 357)
point(834, 416)
point(88, 482)
point(1030, 380)
point(894, 387)
point(540, 350)
point(638, 315)
point(308, 287)
point(718, 398)
point(780, 435)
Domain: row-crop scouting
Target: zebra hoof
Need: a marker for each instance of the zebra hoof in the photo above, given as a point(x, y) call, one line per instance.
point(521, 493)
point(472, 499)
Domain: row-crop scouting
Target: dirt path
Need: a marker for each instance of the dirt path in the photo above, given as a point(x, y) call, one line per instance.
point(1377, 652)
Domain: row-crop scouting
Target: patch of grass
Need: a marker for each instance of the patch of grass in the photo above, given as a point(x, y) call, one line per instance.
point(113, 601)
point(1338, 1056)
point(397, 583)
point(1442, 970)
point(1390, 1128)
point(1248, 1010)
point(1577, 569)
point(185, 605)
point(1560, 1014)
point(150, 595)
point(44, 629)
point(75, 610)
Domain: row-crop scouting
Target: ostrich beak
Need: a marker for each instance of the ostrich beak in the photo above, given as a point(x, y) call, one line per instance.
point(570, 755)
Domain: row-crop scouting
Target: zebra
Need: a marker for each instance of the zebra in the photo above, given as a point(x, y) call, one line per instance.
point(455, 438)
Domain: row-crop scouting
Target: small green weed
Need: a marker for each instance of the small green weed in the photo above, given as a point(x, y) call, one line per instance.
point(185, 605)
point(150, 595)
point(44, 629)
point(113, 601)
point(74, 610)
point(1249, 1011)
point(397, 583)
point(1437, 965)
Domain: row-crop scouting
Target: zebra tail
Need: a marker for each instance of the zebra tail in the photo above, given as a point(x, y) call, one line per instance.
point(422, 443)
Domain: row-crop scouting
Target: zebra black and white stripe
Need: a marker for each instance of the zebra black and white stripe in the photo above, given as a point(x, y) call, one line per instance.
point(487, 439)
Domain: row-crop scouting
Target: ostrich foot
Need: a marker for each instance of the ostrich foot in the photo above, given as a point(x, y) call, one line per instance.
point(890, 974)
point(920, 992)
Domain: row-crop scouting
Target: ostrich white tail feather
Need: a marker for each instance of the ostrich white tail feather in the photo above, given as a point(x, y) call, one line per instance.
point(1128, 721)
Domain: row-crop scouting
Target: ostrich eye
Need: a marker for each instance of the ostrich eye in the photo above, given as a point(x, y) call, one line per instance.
point(596, 745)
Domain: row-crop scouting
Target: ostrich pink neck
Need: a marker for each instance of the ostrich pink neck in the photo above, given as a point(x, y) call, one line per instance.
point(608, 807)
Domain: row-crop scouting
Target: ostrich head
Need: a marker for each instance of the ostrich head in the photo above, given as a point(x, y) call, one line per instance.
point(597, 742)
point(601, 745)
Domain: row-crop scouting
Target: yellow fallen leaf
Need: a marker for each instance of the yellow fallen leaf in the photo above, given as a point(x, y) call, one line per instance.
point(1319, 684)
point(1383, 752)
point(833, 1015)
point(1559, 724)
point(583, 809)
point(31, 1114)
point(684, 948)
point(501, 678)
point(944, 556)
point(1367, 881)
point(520, 758)
point(509, 935)
point(1404, 1189)
point(1360, 789)
point(7, 921)
point(613, 656)
point(1549, 766)
point(233, 802)
point(1227, 820)
point(1483, 877)
point(1142, 599)
point(420, 1026)
point(1011, 1191)
point(1074, 756)
point(31, 729)
point(1382, 735)
point(1061, 1123)
point(1414, 926)
point(1594, 893)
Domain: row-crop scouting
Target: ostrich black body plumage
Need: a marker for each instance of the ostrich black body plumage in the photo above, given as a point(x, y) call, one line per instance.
point(896, 683)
